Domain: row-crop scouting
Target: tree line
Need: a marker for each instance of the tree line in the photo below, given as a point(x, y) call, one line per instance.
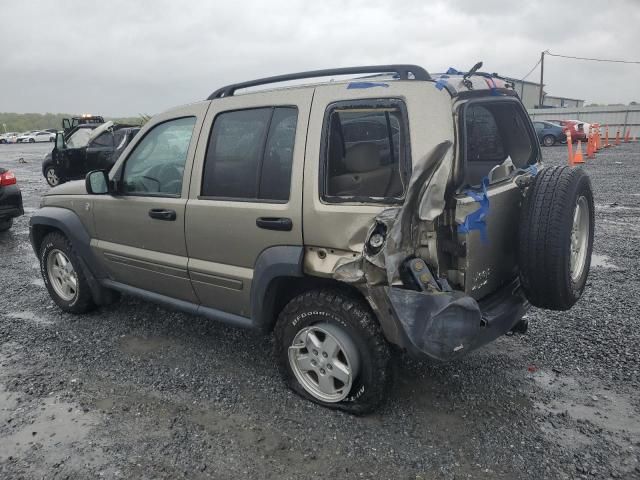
point(23, 122)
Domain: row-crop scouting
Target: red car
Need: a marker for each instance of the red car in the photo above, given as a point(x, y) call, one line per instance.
point(576, 128)
point(10, 199)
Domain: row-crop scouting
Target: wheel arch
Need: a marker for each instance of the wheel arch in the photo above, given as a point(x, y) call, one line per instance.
point(64, 221)
point(278, 278)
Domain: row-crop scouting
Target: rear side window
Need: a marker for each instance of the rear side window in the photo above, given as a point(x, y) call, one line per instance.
point(250, 153)
point(366, 154)
point(103, 140)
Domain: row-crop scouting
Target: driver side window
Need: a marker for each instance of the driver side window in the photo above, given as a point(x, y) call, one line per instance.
point(156, 165)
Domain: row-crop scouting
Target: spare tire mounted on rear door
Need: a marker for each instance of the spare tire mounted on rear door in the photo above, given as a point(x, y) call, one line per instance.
point(556, 237)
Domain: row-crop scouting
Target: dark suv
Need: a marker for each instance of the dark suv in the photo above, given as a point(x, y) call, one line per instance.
point(86, 148)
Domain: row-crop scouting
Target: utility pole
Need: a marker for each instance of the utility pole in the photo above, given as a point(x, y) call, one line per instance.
point(540, 96)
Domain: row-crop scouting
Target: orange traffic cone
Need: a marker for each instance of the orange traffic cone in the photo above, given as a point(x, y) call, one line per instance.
point(617, 142)
point(597, 137)
point(578, 157)
point(569, 149)
point(606, 137)
point(627, 136)
point(591, 146)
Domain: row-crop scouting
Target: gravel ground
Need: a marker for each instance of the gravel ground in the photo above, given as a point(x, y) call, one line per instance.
point(137, 391)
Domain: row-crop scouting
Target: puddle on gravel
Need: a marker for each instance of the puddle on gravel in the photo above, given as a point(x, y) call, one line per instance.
point(47, 434)
point(615, 206)
point(602, 261)
point(30, 317)
point(604, 408)
point(144, 345)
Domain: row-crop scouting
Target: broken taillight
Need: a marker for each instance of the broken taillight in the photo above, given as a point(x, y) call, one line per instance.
point(7, 178)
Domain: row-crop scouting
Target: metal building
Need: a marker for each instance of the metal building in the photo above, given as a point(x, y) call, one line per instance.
point(529, 93)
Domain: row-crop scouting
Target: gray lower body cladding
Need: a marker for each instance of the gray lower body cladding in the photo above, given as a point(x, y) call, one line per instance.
point(445, 326)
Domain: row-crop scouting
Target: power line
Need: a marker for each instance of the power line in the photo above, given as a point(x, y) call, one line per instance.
point(531, 71)
point(590, 59)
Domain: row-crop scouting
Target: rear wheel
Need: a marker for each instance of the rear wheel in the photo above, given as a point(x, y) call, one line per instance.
point(556, 237)
point(331, 351)
point(548, 140)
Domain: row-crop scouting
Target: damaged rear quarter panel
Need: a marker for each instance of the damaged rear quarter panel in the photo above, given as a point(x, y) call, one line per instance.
point(441, 325)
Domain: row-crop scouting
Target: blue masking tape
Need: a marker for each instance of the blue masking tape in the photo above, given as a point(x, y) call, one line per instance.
point(442, 81)
point(477, 220)
point(453, 71)
point(366, 85)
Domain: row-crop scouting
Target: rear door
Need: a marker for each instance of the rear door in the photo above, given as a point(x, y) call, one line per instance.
point(246, 192)
point(140, 231)
point(497, 140)
point(99, 152)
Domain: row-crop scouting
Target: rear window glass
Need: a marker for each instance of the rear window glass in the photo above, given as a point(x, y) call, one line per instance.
point(484, 142)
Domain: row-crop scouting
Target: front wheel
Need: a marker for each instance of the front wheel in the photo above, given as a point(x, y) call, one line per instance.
point(63, 276)
point(331, 351)
point(31, 140)
point(549, 140)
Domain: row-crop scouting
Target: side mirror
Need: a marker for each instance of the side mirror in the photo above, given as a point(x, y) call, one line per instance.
point(59, 141)
point(97, 182)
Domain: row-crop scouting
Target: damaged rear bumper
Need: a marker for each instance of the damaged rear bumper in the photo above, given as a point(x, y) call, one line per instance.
point(444, 326)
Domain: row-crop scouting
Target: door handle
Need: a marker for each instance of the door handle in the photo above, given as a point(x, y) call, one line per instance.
point(162, 214)
point(275, 223)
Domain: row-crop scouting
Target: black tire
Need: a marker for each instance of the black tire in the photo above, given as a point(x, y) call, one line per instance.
point(6, 224)
point(352, 316)
point(82, 301)
point(31, 140)
point(46, 177)
point(3, 140)
point(545, 231)
point(548, 140)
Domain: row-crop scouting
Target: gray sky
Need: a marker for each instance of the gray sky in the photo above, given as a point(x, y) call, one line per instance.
point(128, 57)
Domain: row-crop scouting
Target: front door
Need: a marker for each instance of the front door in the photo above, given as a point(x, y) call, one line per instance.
point(246, 192)
point(140, 231)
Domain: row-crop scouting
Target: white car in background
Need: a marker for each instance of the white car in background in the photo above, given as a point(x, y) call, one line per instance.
point(39, 137)
point(23, 137)
point(9, 137)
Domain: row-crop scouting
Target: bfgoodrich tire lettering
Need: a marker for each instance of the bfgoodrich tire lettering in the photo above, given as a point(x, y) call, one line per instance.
point(354, 318)
point(82, 300)
point(546, 241)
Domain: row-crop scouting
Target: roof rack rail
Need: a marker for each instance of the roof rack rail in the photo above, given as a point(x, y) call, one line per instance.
point(403, 72)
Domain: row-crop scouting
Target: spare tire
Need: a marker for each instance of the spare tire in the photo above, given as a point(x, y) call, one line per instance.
point(556, 237)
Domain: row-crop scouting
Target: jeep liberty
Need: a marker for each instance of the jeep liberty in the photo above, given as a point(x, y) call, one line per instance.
point(391, 211)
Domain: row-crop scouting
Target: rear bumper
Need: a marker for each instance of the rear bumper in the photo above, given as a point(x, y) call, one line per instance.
point(449, 325)
point(10, 202)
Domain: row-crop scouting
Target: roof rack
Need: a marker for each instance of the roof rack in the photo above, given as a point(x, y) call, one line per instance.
point(403, 72)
